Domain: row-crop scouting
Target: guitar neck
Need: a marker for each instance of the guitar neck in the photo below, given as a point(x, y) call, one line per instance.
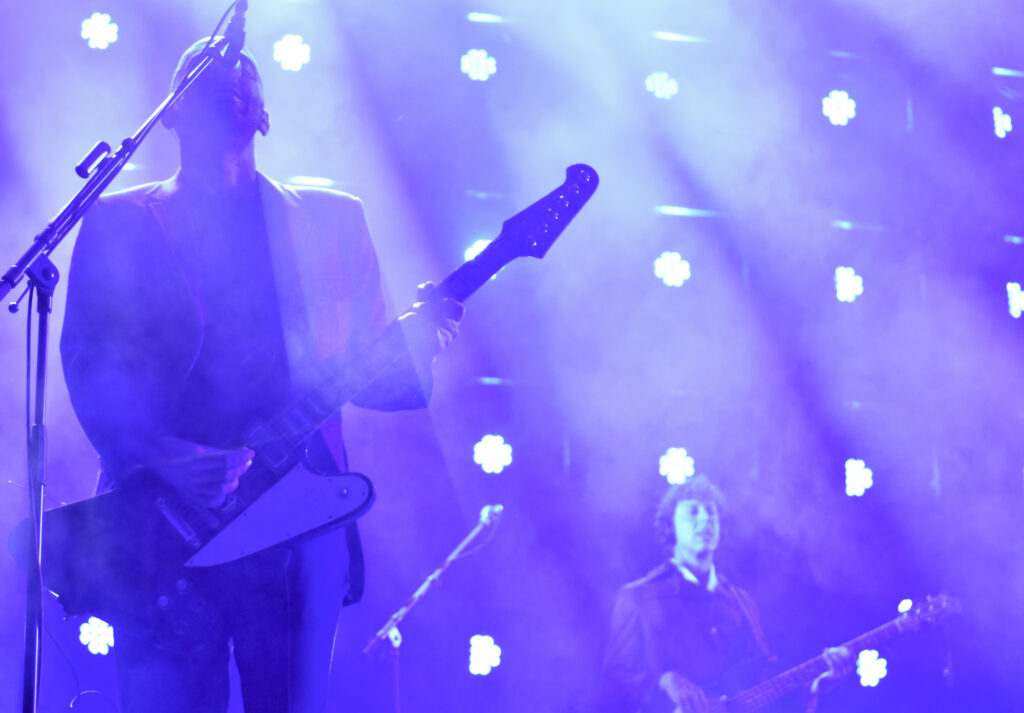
point(789, 681)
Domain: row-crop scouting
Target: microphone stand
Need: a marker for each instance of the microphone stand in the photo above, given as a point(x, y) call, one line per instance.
point(99, 168)
point(489, 515)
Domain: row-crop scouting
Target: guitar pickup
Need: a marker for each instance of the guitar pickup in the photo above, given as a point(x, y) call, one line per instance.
point(178, 523)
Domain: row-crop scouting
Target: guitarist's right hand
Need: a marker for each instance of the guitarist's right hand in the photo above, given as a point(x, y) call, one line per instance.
point(202, 474)
point(687, 696)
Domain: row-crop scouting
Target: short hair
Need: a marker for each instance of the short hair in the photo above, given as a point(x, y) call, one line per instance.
point(697, 488)
point(190, 57)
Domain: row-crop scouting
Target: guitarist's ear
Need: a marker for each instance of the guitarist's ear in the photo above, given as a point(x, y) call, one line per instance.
point(263, 125)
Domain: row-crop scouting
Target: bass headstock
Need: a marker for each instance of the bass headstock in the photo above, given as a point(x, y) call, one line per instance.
point(931, 610)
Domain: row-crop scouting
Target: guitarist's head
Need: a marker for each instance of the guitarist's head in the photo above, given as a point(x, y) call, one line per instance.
point(224, 109)
point(687, 522)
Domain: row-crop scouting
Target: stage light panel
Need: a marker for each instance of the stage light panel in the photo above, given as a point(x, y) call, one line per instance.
point(849, 285)
point(1016, 299)
point(97, 635)
point(485, 17)
point(676, 37)
point(479, 65)
point(661, 85)
point(672, 269)
point(99, 31)
point(492, 454)
point(676, 465)
point(1003, 122)
point(858, 477)
point(292, 52)
point(871, 668)
point(839, 107)
point(484, 654)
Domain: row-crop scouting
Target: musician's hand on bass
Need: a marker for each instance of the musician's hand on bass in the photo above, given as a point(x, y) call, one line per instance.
point(202, 474)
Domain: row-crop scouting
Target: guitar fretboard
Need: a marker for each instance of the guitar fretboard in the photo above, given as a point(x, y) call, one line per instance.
point(788, 681)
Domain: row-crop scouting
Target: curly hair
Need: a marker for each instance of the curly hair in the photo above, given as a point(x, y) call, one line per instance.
point(697, 488)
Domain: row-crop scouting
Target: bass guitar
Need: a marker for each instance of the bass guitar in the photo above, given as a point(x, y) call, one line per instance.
point(769, 691)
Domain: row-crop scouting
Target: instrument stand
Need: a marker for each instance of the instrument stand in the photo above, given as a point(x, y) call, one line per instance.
point(100, 167)
point(490, 515)
point(43, 278)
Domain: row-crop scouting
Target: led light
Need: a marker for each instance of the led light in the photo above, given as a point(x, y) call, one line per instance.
point(1016, 298)
point(97, 635)
point(870, 668)
point(484, 655)
point(484, 17)
point(839, 107)
point(1004, 72)
point(858, 477)
point(291, 52)
point(905, 606)
point(1003, 122)
point(683, 212)
point(492, 454)
point(671, 269)
point(676, 465)
point(479, 65)
point(661, 85)
point(99, 31)
point(676, 37)
point(849, 285)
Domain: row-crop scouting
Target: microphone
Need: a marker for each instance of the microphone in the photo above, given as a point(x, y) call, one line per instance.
point(235, 34)
point(490, 514)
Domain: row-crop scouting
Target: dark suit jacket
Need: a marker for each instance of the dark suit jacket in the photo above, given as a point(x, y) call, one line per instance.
point(134, 322)
point(663, 622)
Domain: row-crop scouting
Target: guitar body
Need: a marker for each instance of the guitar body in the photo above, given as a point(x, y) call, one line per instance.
point(127, 554)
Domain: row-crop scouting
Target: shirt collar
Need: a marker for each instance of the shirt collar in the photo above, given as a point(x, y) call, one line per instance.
point(689, 576)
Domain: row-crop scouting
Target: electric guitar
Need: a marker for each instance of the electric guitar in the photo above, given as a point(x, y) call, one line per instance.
point(124, 555)
point(769, 691)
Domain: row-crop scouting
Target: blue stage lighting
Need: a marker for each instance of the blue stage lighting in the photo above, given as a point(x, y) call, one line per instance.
point(485, 17)
point(684, 212)
point(479, 65)
point(849, 285)
point(484, 654)
point(291, 52)
point(97, 635)
point(1003, 122)
point(99, 31)
point(1016, 297)
point(676, 37)
point(671, 269)
point(839, 107)
point(870, 667)
point(492, 454)
point(676, 465)
point(858, 477)
point(661, 85)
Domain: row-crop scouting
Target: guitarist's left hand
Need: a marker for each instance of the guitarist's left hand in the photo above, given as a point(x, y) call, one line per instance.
point(840, 664)
point(430, 325)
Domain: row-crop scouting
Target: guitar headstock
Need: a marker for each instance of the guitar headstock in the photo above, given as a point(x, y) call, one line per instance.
point(933, 608)
point(534, 230)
